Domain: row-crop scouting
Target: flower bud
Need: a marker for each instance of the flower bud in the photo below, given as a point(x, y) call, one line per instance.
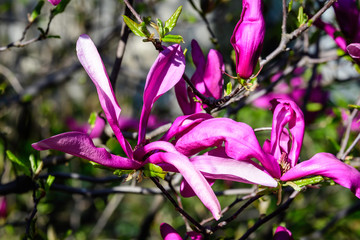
point(248, 37)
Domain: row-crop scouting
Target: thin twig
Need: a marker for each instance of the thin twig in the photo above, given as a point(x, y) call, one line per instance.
point(261, 221)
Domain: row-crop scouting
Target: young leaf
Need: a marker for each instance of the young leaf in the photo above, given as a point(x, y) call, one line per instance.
point(22, 164)
point(49, 181)
point(171, 22)
point(173, 38)
point(302, 17)
point(60, 7)
point(160, 28)
point(36, 12)
point(92, 119)
point(136, 28)
point(33, 163)
point(228, 88)
point(152, 170)
point(290, 5)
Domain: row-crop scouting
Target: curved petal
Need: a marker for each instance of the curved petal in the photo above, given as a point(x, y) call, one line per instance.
point(163, 75)
point(193, 176)
point(93, 65)
point(186, 190)
point(168, 232)
point(287, 112)
point(183, 124)
point(80, 145)
point(332, 32)
point(98, 128)
point(213, 79)
point(54, 2)
point(187, 106)
point(327, 165)
point(232, 170)
point(240, 142)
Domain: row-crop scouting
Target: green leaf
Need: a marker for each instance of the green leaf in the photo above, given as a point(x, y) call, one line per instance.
point(171, 22)
point(228, 88)
point(49, 181)
point(308, 181)
point(302, 17)
point(121, 172)
point(136, 28)
point(152, 170)
point(173, 38)
point(33, 163)
point(290, 5)
point(92, 119)
point(161, 28)
point(37, 10)
point(313, 107)
point(24, 165)
point(97, 165)
point(60, 7)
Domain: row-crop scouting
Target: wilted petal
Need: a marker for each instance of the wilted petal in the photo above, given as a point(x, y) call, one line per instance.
point(93, 65)
point(327, 165)
point(354, 50)
point(232, 170)
point(163, 75)
point(80, 145)
point(287, 112)
point(168, 232)
point(54, 2)
point(248, 37)
point(193, 176)
point(239, 138)
point(282, 233)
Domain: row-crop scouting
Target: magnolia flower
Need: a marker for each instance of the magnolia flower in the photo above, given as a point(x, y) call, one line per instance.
point(354, 50)
point(164, 74)
point(207, 79)
point(54, 2)
point(248, 36)
point(285, 146)
point(282, 233)
point(169, 233)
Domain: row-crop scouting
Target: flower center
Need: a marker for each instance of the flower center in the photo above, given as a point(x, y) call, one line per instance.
point(283, 162)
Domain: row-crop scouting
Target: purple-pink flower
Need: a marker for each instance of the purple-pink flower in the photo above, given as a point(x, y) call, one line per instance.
point(207, 79)
point(169, 233)
point(248, 37)
point(54, 2)
point(282, 233)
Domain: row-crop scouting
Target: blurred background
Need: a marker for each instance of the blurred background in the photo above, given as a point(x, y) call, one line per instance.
point(44, 91)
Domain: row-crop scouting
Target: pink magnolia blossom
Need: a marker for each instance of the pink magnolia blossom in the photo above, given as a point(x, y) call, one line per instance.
point(354, 50)
point(164, 74)
point(54, 2)
point(248, 37)
point(93, 131)
point(282, 233)
point(207, 79)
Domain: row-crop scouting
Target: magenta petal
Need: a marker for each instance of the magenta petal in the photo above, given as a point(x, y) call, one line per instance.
point(187, 106)
point(54, 2)
point(98, 128)
point(282, 233)
point(248, 37)
point(168, 232)
point(327, 165)
point(93, 65)
point(186, 190)
point(166, 71)
point(354, 50)
point(193, 176)
point(287, 112)
point(240, 142)
point(183, 124)
point(213, 79)
point(80, 145)
point(232, 170)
